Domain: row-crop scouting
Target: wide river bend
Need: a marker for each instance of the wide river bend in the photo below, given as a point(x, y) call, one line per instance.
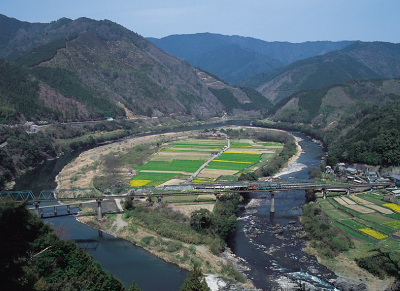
point(272, 260)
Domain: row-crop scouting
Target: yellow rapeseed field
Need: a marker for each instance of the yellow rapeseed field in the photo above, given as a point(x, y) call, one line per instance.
point(373, 233)
point(392, 206)
point(393, 224)
point(139, 183)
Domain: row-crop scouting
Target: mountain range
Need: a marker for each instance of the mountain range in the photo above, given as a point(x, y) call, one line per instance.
point(234, 58)
point(88, 69)
point(85, 69)
point(358, 60)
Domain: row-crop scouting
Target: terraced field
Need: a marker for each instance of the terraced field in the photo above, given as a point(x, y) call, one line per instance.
point(365, 217)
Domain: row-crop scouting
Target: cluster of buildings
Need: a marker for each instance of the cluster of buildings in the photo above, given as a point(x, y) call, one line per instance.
point(360, 173)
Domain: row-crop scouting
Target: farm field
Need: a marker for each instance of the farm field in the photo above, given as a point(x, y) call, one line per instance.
point(176, 159)
point(243, 156)
point(366, 218)
point(180, 159)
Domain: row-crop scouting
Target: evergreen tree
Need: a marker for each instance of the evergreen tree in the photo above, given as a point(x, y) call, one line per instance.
point(134, 287)
point(195, 281)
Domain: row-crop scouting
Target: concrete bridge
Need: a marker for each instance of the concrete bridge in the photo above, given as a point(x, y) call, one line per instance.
point(78, 196)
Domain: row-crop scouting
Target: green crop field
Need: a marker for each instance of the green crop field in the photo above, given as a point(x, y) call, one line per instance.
point(155, 166)
point(187, 164)
point(175, 165)
point(374, 225)
point(377, 218)
point(372, 198)
point(354, 233)
point(199, 144)
point(272, 144)
point(394, 224)
point(381, 228)
point(150, 179)
point(227, 166)
point(353, 223)
point(241, 145)
point(186, 150)
point(239, 157)
point(337, 214)
point(394, 216)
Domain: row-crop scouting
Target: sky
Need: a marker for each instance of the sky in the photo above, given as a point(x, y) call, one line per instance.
point(270, 20)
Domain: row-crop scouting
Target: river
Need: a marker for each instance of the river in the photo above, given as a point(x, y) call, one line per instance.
point(267, 243)
point(269, 258)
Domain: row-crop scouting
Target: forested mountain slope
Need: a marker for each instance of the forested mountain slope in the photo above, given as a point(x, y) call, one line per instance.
point(358, 121)
point(324, 106)
point(234, 58)
point(358, 60)
point(85, 69)
point(374, 139)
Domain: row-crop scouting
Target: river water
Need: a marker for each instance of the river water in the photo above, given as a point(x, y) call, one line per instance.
point(267, 243)
point(272, 259)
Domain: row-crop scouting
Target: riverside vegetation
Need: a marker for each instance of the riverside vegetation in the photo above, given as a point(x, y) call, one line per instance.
point(34, 258)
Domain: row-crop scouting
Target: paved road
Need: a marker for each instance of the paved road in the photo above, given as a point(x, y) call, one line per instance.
point(206, 163)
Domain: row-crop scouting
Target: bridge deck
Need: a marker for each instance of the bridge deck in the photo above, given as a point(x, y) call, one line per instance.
point(174, 190)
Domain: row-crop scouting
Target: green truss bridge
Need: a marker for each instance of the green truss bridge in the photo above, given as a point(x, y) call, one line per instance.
point(74, 196)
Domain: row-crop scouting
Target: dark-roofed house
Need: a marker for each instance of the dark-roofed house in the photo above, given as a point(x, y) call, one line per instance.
point(395, 178)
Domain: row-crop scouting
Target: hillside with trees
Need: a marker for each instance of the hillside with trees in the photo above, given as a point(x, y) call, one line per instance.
point(87, 69)
point(356, 61)
point(357, 121)
point(33, 257)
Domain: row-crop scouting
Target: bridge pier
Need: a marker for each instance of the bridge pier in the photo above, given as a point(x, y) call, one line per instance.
point(348, 191)
point(216, 197)
point(55, 210)
point(99, 212)
point(69, 209)
point(159, 198)
point(41, 213)
point(37, 207)
point(324, 193)
point(272, 208)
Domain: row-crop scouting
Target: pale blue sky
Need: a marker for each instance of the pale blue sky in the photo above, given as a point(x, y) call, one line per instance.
point(269, 20)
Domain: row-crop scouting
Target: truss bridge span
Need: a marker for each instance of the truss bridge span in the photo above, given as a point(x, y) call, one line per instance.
point(76, 196)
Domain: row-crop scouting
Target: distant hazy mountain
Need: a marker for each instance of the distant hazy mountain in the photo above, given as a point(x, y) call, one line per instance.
point(240, 57)
point(87, 69)
point(358, 60)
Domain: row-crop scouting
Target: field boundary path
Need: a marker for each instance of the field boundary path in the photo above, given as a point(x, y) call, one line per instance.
point(207, 162)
